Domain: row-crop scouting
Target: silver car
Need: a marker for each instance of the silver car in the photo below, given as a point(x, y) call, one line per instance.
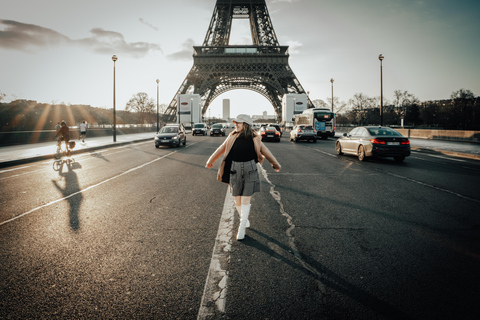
point(303, 132)
point(374, 141)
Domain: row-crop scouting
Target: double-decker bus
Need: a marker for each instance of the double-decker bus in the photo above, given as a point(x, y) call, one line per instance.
point(322, 119)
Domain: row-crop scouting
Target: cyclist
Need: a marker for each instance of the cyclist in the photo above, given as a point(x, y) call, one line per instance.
point(63, 134)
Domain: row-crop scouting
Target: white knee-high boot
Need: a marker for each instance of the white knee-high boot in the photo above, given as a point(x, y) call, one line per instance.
point(243, 221)
point(239, 210)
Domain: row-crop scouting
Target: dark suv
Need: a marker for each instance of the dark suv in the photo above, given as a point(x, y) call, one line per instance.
point(217, 129)
point(199, 128)
point(171, 135)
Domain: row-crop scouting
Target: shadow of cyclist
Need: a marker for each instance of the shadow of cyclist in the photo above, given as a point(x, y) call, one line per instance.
point(70, 190)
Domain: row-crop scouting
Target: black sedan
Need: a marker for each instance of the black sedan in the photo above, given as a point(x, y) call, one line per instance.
point(374, 142)
point(171, 135)
point(270, 134)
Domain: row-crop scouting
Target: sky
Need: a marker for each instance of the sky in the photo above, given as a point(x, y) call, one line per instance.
point(60, 51)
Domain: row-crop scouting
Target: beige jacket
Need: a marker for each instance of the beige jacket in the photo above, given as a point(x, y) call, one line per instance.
point(261, 150)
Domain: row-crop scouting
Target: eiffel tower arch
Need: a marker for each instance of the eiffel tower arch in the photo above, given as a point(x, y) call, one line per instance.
point(219, 67)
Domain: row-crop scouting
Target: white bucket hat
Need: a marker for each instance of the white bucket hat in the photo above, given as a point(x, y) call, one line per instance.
point(243, 118)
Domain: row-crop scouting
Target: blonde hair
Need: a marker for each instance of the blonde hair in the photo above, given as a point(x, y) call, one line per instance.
point(248, 131)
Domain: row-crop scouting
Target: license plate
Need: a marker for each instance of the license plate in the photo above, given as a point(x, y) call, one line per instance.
point(308, 131)
point(165, 140)
point(393, 143)
point(270, 135)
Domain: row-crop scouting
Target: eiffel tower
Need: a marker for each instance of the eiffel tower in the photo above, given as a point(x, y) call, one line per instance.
point(219, 67)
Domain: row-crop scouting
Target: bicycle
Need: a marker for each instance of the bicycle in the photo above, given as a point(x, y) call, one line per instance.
point(60, 153)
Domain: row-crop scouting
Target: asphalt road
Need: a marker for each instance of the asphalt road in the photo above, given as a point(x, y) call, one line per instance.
point(136, 232)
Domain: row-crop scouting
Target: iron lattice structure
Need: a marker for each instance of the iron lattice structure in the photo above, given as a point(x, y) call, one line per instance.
point(219, 67)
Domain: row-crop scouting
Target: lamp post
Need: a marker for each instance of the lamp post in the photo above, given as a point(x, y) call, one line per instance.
point(331, 80)
point(158, 128)
point(380, 57)
point(114, 58)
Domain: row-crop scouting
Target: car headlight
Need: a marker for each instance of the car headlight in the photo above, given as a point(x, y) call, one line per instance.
point(175, 138)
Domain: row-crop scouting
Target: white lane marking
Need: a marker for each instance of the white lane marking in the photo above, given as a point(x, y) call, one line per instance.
point(276, 195)
point(91, 187)
point(215, 291)
point(432, 186)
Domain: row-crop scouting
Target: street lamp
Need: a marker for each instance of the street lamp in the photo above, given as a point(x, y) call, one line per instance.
point(331, 80)
point(380, 57)
point(158, 129)
point(114, 58)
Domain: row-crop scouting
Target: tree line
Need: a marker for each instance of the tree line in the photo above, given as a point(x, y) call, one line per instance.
point(461, 111)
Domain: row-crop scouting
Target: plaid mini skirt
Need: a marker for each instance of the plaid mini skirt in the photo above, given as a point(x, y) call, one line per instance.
point(244, 179)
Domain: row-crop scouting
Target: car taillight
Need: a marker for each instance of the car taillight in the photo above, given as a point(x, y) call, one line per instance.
point(263, 133)
point(377, 141)
point(298, 130)
point(405, 142)
point(277, 133)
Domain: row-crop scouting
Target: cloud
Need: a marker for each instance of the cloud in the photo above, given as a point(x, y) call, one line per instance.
point(19, 36)
point(186, 52)
point(26, 37)
point(294, 47)
point(148, 24)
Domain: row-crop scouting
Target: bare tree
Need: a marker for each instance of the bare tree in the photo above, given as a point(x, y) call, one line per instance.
point(319, 103)
point(361, 104)
point(142, 104)
point(402, 101)
point(2, 95)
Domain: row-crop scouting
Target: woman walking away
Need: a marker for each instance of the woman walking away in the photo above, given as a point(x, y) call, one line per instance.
point(242, 149)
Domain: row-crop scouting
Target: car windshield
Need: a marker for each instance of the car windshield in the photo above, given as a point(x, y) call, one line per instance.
point(169, 130)
point(270, 129)
point(217, 126)
point(199, 125)
point(308, 128)
point(383, 132)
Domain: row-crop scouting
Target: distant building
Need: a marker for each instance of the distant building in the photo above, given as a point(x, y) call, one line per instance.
point(226, 109)
point(265, 117)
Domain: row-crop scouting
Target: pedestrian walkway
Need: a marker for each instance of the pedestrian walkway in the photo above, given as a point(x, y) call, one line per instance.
point(14, 155)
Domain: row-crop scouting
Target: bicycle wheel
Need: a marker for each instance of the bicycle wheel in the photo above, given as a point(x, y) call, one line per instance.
point(57, 165)
point(58, 153)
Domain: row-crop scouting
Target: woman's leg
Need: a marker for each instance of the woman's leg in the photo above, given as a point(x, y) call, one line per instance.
point(244, 223)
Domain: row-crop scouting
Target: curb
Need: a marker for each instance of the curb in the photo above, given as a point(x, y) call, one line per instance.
point(471, 156)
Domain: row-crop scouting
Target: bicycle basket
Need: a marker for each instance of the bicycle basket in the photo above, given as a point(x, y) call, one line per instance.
point(71, 144)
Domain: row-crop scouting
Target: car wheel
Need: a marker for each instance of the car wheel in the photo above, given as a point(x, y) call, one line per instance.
point(338, 148)
point(361, 153)
point(185, 141)
point(157, 146)
point(399, 158)
point(314, 140)
point(295, 139)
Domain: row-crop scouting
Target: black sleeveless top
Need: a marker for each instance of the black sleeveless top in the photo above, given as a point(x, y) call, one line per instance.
point(243, 150)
